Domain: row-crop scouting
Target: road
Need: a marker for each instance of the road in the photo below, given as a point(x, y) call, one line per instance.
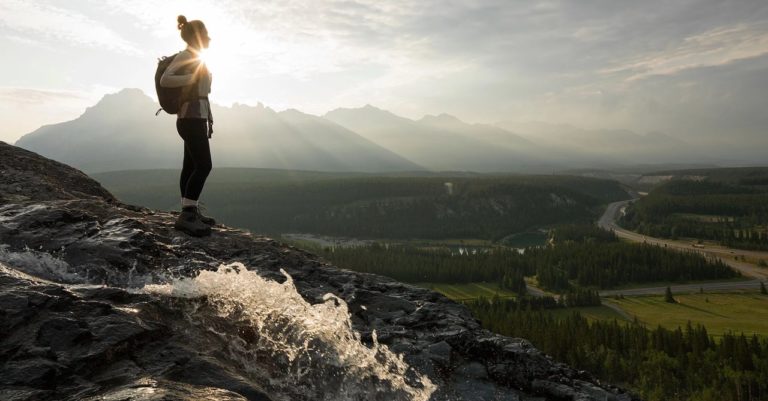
point(618, 310)
point(727, 255)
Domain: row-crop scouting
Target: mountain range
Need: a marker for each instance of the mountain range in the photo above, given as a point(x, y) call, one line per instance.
point(121, 132)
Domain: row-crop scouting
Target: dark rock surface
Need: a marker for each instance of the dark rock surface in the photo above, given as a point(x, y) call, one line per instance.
point(26, 176)
point(75, 324)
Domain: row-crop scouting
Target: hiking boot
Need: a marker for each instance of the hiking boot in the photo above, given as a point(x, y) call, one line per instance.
point(205, 219)
point(190, 223)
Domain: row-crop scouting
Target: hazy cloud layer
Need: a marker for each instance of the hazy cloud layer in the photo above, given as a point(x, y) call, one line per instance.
point(47, 21)
point(692, 69)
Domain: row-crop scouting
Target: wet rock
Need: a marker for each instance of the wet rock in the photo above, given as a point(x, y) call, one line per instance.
point(35, 372)
point(440, 352)
point(473, 370)
point(479, 390)
point(151, 390)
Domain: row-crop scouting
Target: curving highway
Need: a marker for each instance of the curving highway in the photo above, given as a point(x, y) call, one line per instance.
point(727, 255)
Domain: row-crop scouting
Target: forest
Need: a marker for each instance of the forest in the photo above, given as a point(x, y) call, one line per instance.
point(733, 213)
point(582, 256)
point(434, 206)
point(659, 364)
point(608, 265)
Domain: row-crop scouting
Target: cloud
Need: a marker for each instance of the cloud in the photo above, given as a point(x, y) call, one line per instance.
point(718, 46)
point(489, 59)
point(26, 109)
point(251, 48)
point(60, 25)
point(29, 96)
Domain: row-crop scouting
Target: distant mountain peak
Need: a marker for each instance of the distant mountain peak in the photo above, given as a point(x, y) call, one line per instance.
point(441, 118)
point(368, 108)
point(127, 93)
point(124, 95)
point(131, 91)
point(244, 110)
point(238, 105)
point(292, 112)
point(368, 111)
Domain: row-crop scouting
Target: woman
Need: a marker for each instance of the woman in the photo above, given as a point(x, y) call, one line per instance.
point(194, 123)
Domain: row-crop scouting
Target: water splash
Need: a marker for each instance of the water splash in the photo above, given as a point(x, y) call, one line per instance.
point(40, 265)
point(310, 349)
point(262, 329)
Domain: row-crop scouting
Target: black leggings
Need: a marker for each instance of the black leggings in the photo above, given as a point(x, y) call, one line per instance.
point(197, 156)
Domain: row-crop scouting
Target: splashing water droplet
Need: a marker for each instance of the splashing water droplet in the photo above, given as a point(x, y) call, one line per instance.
point(311, 349)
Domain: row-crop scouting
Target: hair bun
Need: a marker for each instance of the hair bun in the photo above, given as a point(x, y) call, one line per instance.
point(182, 20)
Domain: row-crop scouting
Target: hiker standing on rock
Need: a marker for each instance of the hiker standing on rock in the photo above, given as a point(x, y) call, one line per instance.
point(188, 72)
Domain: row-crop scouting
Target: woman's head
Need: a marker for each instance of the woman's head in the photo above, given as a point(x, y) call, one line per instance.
point(193, 32)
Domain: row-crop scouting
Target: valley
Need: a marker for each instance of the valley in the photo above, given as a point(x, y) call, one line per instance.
point(708, 317)
point(527, 260)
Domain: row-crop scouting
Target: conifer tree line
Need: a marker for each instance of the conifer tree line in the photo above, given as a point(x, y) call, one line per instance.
point(435, 265)
point(574, 298)
point(419, 207)
point(578, 256)
point(580, 297)
point(607, 265)
point(734, 215)
point(659, 364)
point(396, 207)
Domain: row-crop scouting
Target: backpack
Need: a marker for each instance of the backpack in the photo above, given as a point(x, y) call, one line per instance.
point(170, 99)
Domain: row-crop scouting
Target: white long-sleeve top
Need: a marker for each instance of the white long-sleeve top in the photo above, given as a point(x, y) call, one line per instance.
point(184, 70)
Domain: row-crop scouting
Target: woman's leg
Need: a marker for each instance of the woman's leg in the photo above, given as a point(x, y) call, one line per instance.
point(195, 135)
point(186, 170)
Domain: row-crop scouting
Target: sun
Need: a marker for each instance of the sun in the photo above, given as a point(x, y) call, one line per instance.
point(217, 59)
point(205, 56)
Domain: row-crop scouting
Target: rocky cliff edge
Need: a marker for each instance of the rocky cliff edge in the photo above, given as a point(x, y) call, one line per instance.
point(100, 300)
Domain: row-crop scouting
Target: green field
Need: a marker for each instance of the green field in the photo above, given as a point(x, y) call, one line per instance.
point(666, 283)
point(719, 313)
point(464, 292)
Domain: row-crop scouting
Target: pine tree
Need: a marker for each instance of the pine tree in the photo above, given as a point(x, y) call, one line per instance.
point(668, 296)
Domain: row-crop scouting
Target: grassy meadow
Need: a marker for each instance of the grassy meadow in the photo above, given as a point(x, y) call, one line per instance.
point(719, 312)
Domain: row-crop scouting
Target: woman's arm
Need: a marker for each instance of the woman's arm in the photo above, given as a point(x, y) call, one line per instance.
point(183, 60)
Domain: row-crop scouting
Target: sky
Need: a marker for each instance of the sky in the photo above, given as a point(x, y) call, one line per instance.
point(694, 69)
